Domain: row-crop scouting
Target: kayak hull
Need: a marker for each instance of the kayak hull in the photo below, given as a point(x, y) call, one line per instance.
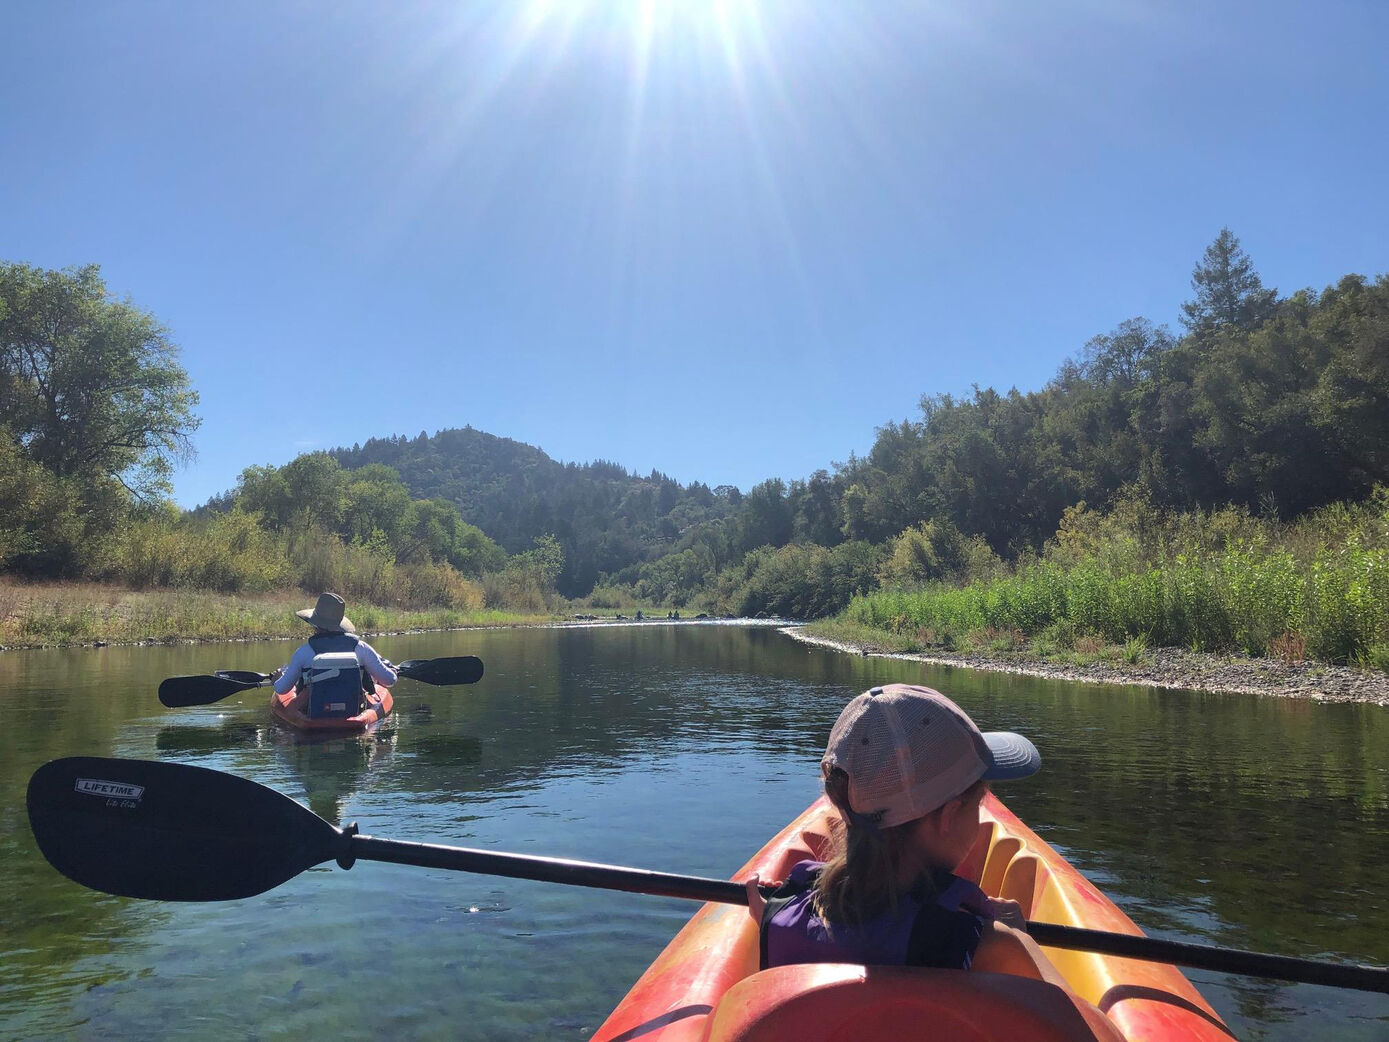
point(287, 709)
point(706, 986)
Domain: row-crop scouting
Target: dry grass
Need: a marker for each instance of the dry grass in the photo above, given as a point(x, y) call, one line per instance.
point(59, 614)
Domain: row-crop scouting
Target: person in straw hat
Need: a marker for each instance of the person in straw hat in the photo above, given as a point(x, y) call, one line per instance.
point(906, 769)
point(333, 632)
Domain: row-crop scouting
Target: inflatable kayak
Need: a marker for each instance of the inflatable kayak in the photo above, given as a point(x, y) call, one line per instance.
point(706, 986)
point(288, 709)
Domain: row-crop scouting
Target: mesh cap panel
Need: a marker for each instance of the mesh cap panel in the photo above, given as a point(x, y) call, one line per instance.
point(907, 750)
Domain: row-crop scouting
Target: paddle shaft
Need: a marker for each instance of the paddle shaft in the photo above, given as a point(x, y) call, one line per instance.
point(183, 692)
point(1209, 957)
point(544, 869)
point(698, 888)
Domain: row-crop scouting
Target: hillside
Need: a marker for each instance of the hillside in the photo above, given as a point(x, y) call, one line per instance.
point(605, 518)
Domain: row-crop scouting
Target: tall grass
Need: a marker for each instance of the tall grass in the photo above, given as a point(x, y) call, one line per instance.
point(231, 554)
point(1222, 581)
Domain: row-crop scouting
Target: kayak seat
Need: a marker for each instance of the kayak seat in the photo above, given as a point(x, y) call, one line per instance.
point(1020, 881)
point(1001, 854)
point(835, 1002)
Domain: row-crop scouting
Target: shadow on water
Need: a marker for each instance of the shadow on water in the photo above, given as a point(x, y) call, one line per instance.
point(178, 739)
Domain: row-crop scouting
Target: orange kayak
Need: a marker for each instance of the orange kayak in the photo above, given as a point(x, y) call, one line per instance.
point(286, 709)
point(706, 987)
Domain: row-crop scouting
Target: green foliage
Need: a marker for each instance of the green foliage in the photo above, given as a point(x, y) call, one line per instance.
point(527, 583)
point(230, 553)
point(611, 597)
point(1229, 292)
point(369, 508)
point(797, 581)
point(1137, 494)
point(50, 525)
point(606, 521)
point(934, 551)
point(90, 387)
point(1223, 581)
point(1275, 406)
point(674, 579)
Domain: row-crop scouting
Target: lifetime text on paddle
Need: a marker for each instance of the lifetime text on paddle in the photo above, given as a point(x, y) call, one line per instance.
point(116, 794)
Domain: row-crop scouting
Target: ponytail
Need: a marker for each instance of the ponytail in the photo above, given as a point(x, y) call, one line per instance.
point(859, 879)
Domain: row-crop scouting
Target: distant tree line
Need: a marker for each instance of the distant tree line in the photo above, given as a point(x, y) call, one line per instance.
point(1275, 406)
point(603, 518)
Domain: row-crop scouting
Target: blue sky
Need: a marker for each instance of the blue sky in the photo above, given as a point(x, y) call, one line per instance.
point(723, 240)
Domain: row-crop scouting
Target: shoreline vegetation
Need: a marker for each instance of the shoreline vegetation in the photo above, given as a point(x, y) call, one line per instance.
point(71, 615)
point(65, 615)
point(1165, 668)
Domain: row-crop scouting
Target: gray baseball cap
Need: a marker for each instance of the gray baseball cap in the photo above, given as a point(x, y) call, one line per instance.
point(909, 750)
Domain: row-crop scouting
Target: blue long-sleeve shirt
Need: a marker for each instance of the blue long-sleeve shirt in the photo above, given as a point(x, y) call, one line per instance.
point(367, 658)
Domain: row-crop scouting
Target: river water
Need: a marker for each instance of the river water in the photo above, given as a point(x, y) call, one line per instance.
point(1235, 820)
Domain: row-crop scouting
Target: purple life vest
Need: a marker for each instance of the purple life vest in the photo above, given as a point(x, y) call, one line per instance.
point(938, 923)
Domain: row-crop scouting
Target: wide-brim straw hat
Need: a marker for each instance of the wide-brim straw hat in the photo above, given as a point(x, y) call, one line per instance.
point(327, 614)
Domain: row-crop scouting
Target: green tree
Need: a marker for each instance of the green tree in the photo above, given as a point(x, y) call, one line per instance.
point(264, 491)
point(1229, 292)
point(441, 534)
point(375, 500)
point(817, 509)
point(766, 515)
point(1127, 355)
point(91, 387)
point(315, 483)
point(929, 552)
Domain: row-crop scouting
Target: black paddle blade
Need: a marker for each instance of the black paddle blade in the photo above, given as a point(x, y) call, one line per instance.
point(170, 832)
point(463, 669)
point(177, 692)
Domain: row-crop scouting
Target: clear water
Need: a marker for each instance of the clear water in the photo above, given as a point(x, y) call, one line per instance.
point(1241, 821)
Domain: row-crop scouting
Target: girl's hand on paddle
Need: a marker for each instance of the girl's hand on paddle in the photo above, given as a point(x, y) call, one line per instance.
point(1009, 913)
point(756, 902)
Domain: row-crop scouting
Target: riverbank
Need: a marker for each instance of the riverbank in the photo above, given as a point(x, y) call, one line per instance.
point(1174, 668)
point(57, 615)
point(76, 615)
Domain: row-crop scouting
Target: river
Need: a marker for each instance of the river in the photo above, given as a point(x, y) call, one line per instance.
point(1235, 820)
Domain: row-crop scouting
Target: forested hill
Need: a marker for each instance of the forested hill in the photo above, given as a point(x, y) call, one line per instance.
point(1277, 406)
point(605, 518)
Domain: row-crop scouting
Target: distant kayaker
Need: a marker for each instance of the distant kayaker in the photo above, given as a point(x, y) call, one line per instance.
point(906, 769)
point(333, 634)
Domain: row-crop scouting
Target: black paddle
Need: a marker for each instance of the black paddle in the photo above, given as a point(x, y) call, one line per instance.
point(177, 692)
point(171, 832)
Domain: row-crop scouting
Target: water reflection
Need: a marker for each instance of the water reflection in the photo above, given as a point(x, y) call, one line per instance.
point(1259, 823)
point(180, 739)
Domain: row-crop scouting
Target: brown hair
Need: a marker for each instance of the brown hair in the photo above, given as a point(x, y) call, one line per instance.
point(859, 880)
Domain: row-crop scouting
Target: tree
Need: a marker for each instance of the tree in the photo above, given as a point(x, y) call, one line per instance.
point(374, 500)
point(315, 485)
point(1126, 355)
point(766, 515)
point(1228, 290)
point(91, 387)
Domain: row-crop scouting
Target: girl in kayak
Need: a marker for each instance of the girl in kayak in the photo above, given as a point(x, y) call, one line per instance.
point(907, 769)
